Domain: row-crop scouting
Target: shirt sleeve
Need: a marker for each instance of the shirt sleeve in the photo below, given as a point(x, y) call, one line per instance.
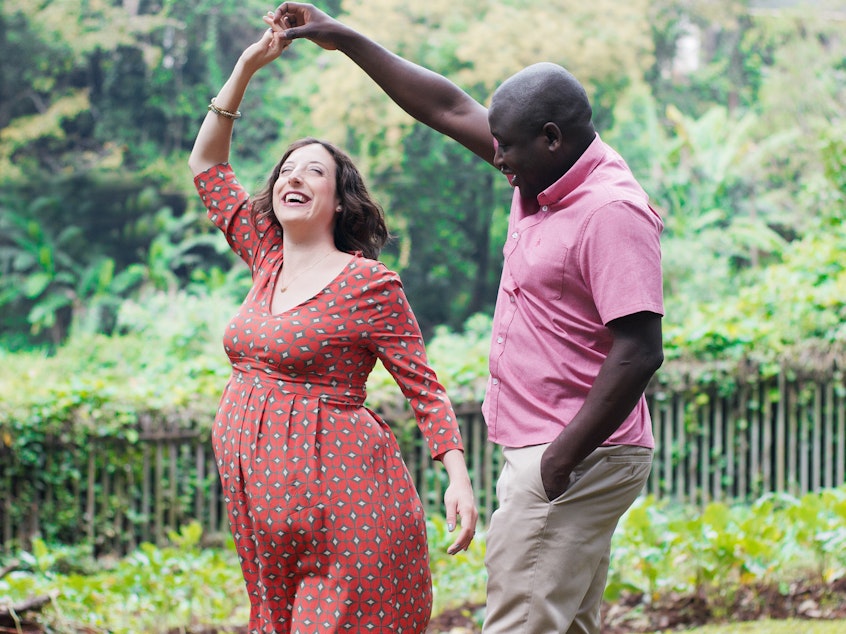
point(229, 207)
point(620, 259)
point(395, 338)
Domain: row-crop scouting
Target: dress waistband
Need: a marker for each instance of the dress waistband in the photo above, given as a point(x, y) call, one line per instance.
point(263, 375)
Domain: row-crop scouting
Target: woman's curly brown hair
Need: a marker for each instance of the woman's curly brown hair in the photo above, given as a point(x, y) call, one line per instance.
point(360, 226)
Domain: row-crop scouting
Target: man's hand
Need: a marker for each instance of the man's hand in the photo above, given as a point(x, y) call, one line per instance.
point(554, 476)
point(297, 20)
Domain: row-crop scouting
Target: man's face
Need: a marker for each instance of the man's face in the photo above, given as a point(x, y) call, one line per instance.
point(522, 154)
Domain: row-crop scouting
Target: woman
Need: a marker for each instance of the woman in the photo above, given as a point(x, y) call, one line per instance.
point(329, 528)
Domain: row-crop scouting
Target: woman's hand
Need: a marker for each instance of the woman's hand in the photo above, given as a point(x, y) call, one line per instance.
point(265, 50)
point(459, 502)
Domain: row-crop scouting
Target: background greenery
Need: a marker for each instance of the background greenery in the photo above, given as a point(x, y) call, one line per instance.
point(743, 153)
point(660, 552)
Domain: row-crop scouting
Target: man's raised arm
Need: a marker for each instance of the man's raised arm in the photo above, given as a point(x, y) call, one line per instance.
point(427, 96)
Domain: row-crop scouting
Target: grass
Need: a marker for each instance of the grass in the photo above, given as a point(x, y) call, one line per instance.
point(790, 626)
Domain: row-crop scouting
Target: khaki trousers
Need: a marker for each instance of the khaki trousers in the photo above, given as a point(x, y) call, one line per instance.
point(548, 561)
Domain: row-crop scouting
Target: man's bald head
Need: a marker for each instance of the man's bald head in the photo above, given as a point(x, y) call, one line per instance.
point(546, 92)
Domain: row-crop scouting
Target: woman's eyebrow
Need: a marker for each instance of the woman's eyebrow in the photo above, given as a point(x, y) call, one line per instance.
point(309, 163)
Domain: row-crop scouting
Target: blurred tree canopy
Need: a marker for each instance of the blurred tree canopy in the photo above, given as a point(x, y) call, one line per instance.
point(731, 112)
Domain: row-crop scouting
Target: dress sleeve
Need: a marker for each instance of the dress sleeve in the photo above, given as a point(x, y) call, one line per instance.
point(228, 205)
point(396, 340)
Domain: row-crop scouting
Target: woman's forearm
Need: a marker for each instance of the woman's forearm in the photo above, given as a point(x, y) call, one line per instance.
point(214, 138)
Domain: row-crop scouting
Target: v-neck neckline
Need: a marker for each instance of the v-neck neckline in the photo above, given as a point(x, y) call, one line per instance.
point(270, 287)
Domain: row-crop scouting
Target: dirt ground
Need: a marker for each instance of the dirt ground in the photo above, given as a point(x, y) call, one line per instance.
point(633, 616)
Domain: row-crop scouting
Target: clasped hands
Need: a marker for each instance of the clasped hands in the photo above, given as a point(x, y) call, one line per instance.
point(294, 20)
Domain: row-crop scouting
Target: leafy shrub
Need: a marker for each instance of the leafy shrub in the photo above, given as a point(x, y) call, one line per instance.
point(151, 590)
point(659, 550)
point(662, 549)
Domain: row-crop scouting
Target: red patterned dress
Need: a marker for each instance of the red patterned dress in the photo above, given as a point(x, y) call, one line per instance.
point(329, 527)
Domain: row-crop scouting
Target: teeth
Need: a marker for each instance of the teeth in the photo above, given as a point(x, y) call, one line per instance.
point(294, 198)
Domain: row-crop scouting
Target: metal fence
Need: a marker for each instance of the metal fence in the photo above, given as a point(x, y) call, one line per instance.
point(776, 435)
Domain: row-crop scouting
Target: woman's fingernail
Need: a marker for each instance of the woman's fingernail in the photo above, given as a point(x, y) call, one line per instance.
point(450, 527)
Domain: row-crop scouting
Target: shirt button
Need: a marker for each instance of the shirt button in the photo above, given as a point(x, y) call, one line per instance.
point(515, 235)
point(511, 299)
point(545, 208)
point(496, 381)
point(499, 339)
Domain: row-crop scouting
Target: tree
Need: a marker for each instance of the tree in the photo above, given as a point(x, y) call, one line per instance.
point(100, 101)
point(452, 206)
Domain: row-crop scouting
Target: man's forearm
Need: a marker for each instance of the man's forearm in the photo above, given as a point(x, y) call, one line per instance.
point(427, 96)
point(420, 92)
point(633, 359)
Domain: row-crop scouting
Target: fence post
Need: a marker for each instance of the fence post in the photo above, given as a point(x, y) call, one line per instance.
point(781, 437)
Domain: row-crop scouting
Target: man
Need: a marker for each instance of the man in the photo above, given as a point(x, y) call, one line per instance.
point(576, 330)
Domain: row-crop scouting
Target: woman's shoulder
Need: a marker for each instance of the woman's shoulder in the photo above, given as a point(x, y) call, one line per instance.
point(371, 272)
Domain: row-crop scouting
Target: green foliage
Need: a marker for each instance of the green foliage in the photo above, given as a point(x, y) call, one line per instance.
point(662, 549)
point(726, 70)
point(56, 275)
point(455, 235)
point(458, 579)
point(787, 306)
point(151, 590)
point(817, 524)
point(166, 359)
point(750, 273)
point(743, 161)
point(168, 368)
point(100, 109)
point(659, 549)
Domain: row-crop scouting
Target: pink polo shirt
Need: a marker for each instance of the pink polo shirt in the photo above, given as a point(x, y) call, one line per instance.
point(591, 254)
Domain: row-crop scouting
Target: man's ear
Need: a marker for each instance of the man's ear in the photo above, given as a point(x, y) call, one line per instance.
point(554, 137)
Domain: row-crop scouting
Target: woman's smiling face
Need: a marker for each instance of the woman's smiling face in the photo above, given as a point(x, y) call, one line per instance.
point(305, 190)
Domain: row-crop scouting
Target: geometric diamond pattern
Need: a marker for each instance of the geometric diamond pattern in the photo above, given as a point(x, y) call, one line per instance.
point(329, 528)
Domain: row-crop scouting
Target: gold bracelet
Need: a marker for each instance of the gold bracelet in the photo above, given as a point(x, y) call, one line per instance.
point(224, 113)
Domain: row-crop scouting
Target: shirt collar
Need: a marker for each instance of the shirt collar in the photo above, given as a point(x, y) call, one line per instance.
point(574, 176)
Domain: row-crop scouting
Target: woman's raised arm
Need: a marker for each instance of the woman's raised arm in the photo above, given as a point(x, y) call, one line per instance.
point(211, 146)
